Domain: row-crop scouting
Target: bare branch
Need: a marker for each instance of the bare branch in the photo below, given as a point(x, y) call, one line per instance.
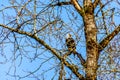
point(103, 16)
point(76, 5)
point(61, 74)
point(83, 62)
point(102, 6)
point(96, 2)
point(43, 27)
point(35, 37)
point(74, 69)
point(107, 40)
point(8, 8)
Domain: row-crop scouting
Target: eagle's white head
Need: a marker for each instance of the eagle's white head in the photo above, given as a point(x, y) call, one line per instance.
point(68, 36)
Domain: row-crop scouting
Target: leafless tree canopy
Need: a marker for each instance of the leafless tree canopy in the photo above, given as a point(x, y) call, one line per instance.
point(32, 39)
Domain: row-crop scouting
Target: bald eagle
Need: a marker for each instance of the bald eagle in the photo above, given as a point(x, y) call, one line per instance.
point(70, 44)
point(72, 48)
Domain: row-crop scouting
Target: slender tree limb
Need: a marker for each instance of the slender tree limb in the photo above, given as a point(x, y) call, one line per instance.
point(67, 54)
point(35, 37)
point(83, 62)
point(107, 40)
point(102, 6)
point(76, 5)
point(103, 16)
point(72, 67)
point(95, 3)
point(62, 71)
point(43, 27)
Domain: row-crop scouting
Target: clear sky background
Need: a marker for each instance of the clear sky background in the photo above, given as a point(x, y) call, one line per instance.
point(28, 64)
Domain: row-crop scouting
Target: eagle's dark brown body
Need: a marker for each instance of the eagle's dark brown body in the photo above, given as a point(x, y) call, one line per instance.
point(70, 44)
point(72, 47)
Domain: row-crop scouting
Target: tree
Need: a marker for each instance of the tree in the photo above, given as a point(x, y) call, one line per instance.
point(35, 30)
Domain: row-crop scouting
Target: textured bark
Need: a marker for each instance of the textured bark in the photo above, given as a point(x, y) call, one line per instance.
point(91, 47)
point(90, 35)
point(91, 40)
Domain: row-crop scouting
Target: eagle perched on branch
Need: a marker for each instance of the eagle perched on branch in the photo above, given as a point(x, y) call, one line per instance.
point(70, 44)
point(72, 47)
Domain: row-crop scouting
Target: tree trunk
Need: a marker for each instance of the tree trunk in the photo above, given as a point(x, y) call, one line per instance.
point(87, 12)
point(91, 46)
